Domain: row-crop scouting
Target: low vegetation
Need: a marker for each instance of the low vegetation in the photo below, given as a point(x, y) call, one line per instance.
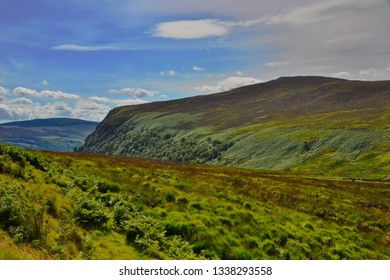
point(82, 206)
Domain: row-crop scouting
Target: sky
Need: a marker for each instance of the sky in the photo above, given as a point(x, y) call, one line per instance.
point(81, 58)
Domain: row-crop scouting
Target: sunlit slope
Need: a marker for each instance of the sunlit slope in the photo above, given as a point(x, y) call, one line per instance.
point(308, 124)
point(82, 206)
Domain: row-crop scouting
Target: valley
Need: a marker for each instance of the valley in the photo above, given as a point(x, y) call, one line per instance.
point(294, 168)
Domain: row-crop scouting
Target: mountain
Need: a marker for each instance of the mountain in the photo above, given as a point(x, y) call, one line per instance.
point(55, 134)
point(303, 124)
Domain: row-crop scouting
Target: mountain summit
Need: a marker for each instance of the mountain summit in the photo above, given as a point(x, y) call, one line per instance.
point(305, 123)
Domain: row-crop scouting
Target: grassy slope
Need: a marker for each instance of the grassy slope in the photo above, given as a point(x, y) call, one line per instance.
point(57, 134)
point(81, 206)
point(308, 124)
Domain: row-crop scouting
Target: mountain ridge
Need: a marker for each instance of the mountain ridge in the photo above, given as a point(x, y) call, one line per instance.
point(287, 123)
point(49, 122)
point(55, 134)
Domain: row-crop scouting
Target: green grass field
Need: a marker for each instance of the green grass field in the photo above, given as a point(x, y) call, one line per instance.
point(82, 206)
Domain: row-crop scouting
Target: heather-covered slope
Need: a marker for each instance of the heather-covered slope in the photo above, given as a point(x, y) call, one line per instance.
point(307, 124)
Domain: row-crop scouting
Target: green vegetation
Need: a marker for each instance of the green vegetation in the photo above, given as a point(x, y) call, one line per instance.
point(81, 206)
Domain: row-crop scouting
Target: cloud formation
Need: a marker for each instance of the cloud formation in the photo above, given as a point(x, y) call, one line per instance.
point(45, 83)
point(134, 92)
point(168, 73)
point(22, 91)
point(228, 84)
point(3, 91)
point(197, 29)
point(25, 103)
point(22, 100)
point(126, 102)
point(99, 99)
point(196, 68)
point(315, 12)
point(82, 48)
point(24, 108)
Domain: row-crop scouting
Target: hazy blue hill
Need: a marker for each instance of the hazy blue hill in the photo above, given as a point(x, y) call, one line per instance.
point(56, 134)
point(50, 122)
point(305, 124)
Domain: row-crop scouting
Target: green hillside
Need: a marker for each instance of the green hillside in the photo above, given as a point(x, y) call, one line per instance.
point(317, 125)
point(56, 134)
point(83, 206)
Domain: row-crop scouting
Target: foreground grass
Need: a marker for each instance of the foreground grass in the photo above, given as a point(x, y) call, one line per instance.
point(79, 206)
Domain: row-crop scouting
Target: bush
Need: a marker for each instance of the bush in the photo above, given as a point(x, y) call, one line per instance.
point(89, 213)
point(107, 187)
point(270, 248)
point(20, 216)
point(169, 197)
point(182, 201)
point(10, 210)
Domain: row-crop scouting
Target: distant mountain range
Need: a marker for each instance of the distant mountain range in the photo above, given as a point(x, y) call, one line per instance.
point(55, 134)
point(304, 124)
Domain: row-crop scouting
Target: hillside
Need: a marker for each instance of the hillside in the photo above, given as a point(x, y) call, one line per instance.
point(56, 134)
point(316, 125)
point(83, 206)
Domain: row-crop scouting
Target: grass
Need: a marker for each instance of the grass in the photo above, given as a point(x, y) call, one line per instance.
point(83, 206)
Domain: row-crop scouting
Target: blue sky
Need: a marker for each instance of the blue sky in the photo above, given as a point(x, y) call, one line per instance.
point(82, 58)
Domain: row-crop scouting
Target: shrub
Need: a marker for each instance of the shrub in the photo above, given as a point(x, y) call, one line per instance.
point(169, 197)
point(197, 206)
point(270, 248)
point(107, 187)
point(182, 201)
point(20, 216)
point(89, 213)
point(10, 210)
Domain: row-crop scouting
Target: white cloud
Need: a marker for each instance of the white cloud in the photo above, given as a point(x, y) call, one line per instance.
point(22, 100)
point(3, 91)
point(371, 73)
point(125, 102)
point(196, 68)
point(22, 91)
point(81, 48)
point(239, 73)
point(59, 95)
point(342, 75)
point(168, 73)
point(100, 99)
point(197, 29)
point(314, 12)
point(90, 110)
point(276, 63)
point(364, 74)
point(134, 92)
point(347, 38)
point(45, 83)
point(228, 84)
point(23, 108)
